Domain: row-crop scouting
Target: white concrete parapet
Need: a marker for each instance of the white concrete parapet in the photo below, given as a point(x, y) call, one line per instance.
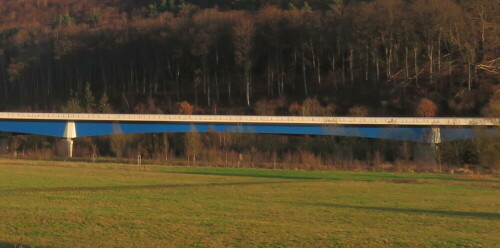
point(388, 121)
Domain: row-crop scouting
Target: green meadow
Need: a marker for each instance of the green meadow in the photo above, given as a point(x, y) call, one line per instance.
point(71, 204)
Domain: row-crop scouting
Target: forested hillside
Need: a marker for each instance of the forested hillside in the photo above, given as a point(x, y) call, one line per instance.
point(275, 57)
point(380, 57)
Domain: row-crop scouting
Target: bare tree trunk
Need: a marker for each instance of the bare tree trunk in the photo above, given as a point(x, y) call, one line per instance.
point(430, 53)
point(144, 82)
point(103, 72)
point(216, 85)
point(195, 94)
point(215, 72)
point(247, 80)
point(366, 63)
point(439, 53)
point(451, 73)
point(389, 63)
point(475, 74)
point(131, 81)
point(208, 93)
point(343, 70)
point(4, 76)
point(351, 65)
point(177, 86)
point(229, 91)
point(406, 64)
point(312, 54)
point(49, 77)
point(416, 64)
point(37, 82)
point(483, 27)
point(282, 78)
point(469, 81)
point(204, 85)
point(333, 71)
point(319, 71)
point(378, 69)
point(304, 74)
point(274, 79)
point(269, 82)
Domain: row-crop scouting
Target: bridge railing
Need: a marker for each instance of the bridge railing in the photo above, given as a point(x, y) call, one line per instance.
point(439, 121)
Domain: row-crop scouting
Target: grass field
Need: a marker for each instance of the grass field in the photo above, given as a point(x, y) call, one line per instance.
point(60, 204)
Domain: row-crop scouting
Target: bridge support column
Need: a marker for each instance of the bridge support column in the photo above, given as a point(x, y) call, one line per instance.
point(66, 145)
point(65, 148)
point(427, 152)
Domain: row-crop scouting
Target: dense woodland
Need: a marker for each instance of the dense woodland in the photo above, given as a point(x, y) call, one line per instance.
point(274, 57)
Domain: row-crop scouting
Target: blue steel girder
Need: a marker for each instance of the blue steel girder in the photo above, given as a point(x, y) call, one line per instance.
point(49, 128)
point(97, 128)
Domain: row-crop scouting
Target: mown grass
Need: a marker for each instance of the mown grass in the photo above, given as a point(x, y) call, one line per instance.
point(62, 204)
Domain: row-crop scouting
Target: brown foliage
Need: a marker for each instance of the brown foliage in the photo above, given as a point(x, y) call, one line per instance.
point(294, 108)
point(312, 107)
point(148, 108)
point(184, 108)
point(359, 111)
point(269, 107)
point(493, 107)
point(244, 32)
point(426, 108)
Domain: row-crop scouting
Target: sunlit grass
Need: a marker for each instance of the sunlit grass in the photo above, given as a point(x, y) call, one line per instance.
point(61, 204)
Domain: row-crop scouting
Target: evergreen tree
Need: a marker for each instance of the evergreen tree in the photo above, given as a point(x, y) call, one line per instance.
point(306, 6)
point(104, 106)
point(88, 99)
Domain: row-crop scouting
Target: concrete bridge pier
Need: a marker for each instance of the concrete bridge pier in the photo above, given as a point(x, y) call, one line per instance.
point(428, 151)
point(65, 148)
point(66, 145)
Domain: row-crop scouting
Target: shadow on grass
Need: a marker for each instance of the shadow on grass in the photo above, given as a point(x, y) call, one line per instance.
point(350, 177)
point(134, 187)
point(252, 175)
point(480, 215)
point(16, 245)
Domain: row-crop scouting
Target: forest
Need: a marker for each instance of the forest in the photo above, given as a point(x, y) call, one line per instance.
point(277, 57)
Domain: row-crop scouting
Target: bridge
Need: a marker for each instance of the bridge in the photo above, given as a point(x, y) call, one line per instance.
point(70, 126)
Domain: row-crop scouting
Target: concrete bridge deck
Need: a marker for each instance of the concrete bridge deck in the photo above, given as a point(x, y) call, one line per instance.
point(242, 119)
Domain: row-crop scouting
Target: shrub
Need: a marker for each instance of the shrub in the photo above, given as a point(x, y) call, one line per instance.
point(294, 108)
point(426, 108)
point(358, 111)
point(184, 108)
point(311, 107)
point(269, 107)
point(72, 106)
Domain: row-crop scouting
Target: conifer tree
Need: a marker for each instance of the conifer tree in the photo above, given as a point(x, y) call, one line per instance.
point(88, 99)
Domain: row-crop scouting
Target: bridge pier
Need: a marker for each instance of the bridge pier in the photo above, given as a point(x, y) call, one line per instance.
point(66, 145)
point(65, 148)
point(428, 152)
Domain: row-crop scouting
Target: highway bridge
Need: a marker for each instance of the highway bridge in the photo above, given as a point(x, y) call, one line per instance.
point(70, 126)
